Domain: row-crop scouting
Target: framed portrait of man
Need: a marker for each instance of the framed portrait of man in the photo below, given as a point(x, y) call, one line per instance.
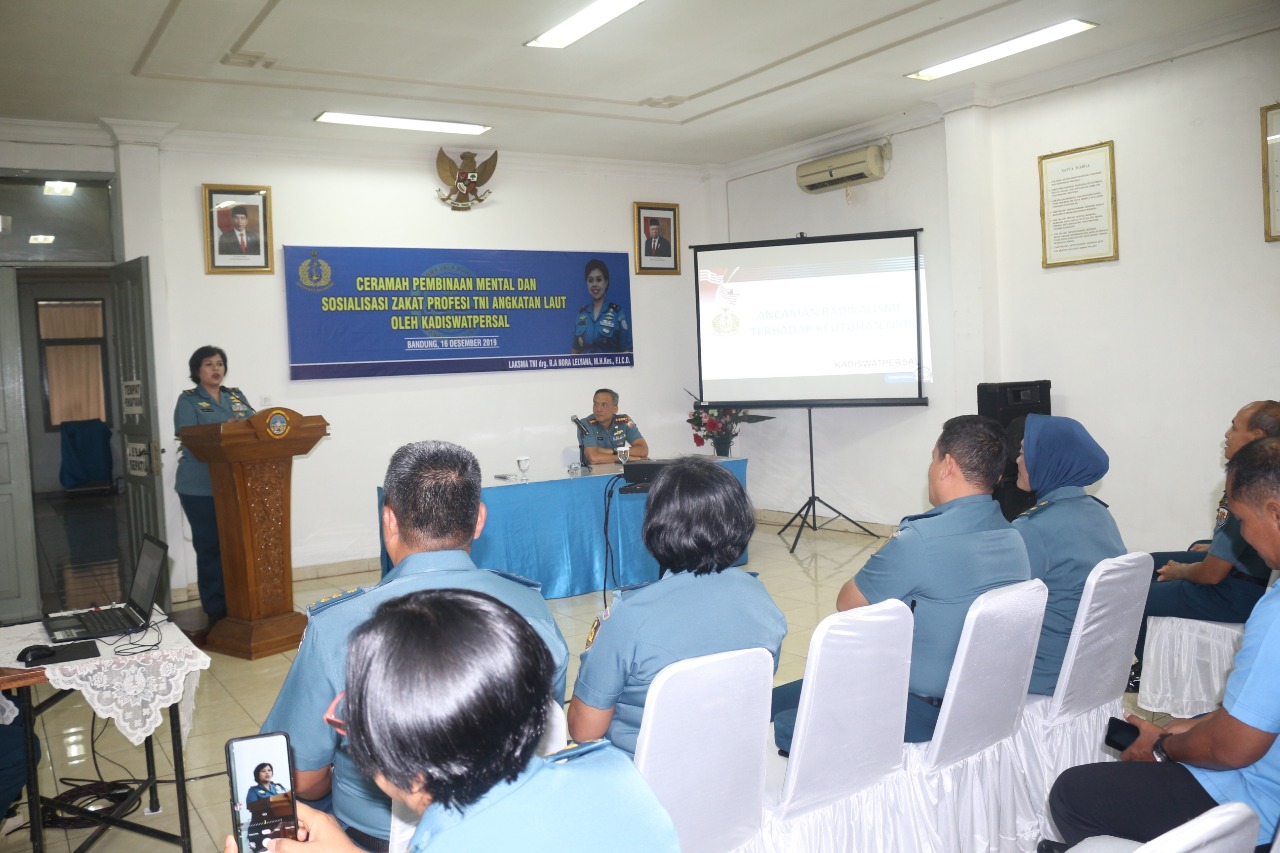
point(656, 231)
point(237, 229)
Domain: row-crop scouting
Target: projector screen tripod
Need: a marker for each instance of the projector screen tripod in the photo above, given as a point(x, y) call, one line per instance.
point(807, 514)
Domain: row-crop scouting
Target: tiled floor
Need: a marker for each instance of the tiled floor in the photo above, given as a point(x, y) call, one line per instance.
point(235, 695)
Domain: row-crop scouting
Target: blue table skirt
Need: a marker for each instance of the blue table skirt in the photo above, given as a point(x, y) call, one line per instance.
point(552, 531)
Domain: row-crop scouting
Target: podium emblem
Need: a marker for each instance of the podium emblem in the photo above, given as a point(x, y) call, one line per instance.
point(277, 424)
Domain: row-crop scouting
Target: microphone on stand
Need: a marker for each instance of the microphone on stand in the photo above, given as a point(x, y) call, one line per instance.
point(582, 428)
point(582, 432)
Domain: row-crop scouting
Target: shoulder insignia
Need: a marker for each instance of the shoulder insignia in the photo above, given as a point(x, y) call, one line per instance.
point(1101, 501)
point(1036, 508)
point(523, 581)
point(622, 419)
point(591, 635)
point(613, 306)
point(337, 598)
point(585, 308)
point(592, 420)
point(632, 587)
point(883, 543)
point(575, 750)
point(235, 391)
point(188, 392)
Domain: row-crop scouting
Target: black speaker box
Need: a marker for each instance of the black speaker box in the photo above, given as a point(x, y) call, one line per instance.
point(1006, 402)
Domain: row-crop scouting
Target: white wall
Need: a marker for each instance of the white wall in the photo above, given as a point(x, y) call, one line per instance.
point(1153, 353)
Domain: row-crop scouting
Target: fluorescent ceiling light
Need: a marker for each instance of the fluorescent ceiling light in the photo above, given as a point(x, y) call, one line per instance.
point(587, 21)
point(403, 123)
point(59, 187)
point(1007, 48)
point(40, 238)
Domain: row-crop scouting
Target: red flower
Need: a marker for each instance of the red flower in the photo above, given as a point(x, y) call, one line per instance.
point(713, 425)
point(698, 441)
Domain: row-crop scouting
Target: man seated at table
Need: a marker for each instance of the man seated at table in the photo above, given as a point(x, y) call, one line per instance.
point(607, 431)
point(937, 563)
point(431, 513)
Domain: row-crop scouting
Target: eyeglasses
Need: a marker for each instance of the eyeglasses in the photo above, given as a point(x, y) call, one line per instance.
point(330, 716)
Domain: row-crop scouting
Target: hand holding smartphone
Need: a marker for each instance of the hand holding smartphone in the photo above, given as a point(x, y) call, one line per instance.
point(262, 801)
point(1120, 734)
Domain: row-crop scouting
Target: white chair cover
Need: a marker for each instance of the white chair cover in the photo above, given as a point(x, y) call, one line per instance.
point(1068, 728)
point(965, 781)
point(1185, 664)
point(1229, 828)
point(404, 820)
point(702, 746)
point(844, 788)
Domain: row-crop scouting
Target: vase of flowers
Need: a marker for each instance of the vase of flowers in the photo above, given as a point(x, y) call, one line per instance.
point(720, 426)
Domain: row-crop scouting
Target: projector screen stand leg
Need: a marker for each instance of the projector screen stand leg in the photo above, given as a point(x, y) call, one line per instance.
point(807, 514)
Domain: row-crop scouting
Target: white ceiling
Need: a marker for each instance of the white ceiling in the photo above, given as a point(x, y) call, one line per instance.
point(694, 82)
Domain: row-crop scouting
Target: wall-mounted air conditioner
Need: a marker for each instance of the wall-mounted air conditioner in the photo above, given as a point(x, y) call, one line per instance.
point(859, 166)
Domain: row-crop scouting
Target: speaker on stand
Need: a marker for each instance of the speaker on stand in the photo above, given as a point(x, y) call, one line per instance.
point(1009, 403)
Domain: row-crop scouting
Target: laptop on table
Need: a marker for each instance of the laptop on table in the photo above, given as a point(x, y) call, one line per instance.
point(116, 618)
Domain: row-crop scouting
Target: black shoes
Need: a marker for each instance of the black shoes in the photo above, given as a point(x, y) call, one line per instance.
point(1047, 846)
point(1135, 678)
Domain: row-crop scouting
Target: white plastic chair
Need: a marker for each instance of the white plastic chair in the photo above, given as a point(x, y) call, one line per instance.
point(404, 820)
point(1229, 828)
point(843, 787)
point(701, 746)
point(1068, 728)
point(1185, 664)
point(965, 781)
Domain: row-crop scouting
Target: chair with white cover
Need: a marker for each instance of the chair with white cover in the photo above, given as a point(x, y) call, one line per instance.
point(404, 820)
point(1068, 728)
point(1229, 828)
point(702, 743)
point(964, 781)
point(1185, 664)
point(843, 787)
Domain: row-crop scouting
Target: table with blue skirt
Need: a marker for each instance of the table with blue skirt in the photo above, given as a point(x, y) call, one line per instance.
point(552, 531)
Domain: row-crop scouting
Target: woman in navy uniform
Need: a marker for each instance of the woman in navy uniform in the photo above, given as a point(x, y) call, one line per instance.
point(601, 326)
point(265, 789)
point(207, 403)
point(447, 696)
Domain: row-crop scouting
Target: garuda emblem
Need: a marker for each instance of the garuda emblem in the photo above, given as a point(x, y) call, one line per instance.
point(464, 179)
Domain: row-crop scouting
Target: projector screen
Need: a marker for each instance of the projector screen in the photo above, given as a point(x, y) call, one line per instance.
point(812, 321)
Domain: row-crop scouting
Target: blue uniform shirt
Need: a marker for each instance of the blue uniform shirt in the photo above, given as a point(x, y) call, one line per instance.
point(621, 431)
point(196, 407)
point(263, 792)
point(1067, 533)
point(678, 617)
point(589, 797)
point(1252, 698)
point(938, 563)
point(610, 332)
point(1229, 544)
point(319, 670)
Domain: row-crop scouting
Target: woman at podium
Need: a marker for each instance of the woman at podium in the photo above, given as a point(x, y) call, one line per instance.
point(209, 402)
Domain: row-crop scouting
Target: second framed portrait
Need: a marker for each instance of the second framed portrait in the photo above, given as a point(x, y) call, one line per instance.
point(656, 230)
point(237, 229)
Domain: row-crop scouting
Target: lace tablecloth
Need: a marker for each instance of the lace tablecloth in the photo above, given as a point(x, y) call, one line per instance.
point(133, 690)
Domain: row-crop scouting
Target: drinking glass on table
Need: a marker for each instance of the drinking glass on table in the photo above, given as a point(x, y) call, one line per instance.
point(624, 453)
point(522, 462)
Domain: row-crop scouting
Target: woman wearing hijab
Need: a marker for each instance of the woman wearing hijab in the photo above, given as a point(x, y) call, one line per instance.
point(1067, 532)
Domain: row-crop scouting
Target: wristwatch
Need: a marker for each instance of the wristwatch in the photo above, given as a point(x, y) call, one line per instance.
point(1157, 749)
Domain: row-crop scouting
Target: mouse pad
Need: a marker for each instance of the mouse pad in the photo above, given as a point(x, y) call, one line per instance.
point(69, 652)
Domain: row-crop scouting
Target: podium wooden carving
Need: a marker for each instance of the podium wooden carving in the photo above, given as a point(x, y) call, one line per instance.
point(250, 462)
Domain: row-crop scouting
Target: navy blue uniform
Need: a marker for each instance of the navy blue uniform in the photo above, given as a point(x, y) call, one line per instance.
point(610, 332)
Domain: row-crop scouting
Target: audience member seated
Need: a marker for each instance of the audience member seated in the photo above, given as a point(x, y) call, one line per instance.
point(1169, 776)
point(937, 563)
point(607, 431)
point(698, 522)
point(1223, 584)
point(431, 514)
point(1067, 532)
point(445, 702)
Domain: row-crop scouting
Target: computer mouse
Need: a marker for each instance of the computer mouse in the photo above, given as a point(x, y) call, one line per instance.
point(34, 653)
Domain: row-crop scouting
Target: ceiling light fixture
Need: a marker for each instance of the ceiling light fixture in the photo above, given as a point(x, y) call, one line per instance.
point(59, 187)
point(41, 238)
point(587, 21)
point(1007, 48)
point(403, 123)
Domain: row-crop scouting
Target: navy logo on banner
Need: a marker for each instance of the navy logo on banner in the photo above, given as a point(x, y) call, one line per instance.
point(314, 274)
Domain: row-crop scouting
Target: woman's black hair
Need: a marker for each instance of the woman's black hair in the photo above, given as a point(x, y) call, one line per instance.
point(257, 770)
point(198, 357)
point(596, 263)
point(699, 518)
point(447, 690)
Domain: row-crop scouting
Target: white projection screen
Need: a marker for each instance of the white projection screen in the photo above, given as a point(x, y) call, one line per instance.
point(812, 321)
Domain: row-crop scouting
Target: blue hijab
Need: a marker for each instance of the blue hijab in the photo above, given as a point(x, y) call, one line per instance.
point(1060, 452)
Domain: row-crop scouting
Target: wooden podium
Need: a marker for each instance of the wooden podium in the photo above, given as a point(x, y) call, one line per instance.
point(250, 462)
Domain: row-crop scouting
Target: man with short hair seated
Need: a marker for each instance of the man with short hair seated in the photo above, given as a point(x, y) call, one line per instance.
point(1169, 776)
point(937, 563)
point(431, 513)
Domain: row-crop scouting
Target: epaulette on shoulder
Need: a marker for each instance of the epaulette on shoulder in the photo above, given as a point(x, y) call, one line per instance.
point(631, 587)
point(1035, 508)
point(613, 306)
point(622, 419)
point(586, 307)
point(189, 391)
point(523, 581)
point(592, 420)
point(337, 598)
point(576, 750)
point(231, 390)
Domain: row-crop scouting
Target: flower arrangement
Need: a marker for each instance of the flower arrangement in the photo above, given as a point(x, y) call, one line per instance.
point(720, 426)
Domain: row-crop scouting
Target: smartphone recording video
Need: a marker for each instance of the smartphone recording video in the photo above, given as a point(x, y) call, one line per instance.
point(262, 804)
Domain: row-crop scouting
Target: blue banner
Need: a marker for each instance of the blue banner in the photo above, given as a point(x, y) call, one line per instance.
point(389, 312)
